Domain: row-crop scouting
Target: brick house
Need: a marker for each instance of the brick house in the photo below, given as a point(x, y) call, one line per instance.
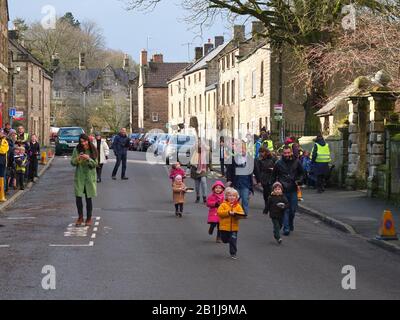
point(100, 99)
point(32, 86)
point(4, 60)
point(153, 91)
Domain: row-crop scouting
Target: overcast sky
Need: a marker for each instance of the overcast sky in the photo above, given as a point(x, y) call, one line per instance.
point(128, 31)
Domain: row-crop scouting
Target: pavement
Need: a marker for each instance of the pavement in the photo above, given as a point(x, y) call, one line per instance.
point(139, 250)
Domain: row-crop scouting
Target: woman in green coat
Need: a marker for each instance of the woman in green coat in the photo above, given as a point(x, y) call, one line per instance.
point(84, 158)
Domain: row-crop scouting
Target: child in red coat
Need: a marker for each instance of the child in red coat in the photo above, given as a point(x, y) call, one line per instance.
point(213, 202)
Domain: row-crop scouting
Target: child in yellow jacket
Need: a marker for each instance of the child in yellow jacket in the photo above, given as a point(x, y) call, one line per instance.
point(230, 212)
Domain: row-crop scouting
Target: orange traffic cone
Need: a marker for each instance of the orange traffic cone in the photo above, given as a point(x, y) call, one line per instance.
point(43, 158)
point(299, 194)
point(387, 230)
point(50, 154)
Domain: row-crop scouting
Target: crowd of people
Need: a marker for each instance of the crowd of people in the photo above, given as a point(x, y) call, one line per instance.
point(279, 172)
point(19, 159)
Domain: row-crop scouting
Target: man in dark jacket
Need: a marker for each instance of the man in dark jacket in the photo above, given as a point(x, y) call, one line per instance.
point(239, 174)
point(263, 171)
point(289, 172)
point(120, 147)
point(320, 159)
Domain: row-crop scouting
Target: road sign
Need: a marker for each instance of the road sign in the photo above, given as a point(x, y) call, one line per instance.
point(19, 115)
point(12, 112)
point(278, 112)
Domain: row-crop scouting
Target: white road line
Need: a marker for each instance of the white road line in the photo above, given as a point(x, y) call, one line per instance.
point(95, 229)
point(91, 244)
point(98, 218)
point(93, 236)
point(21, 218)
point(4, 246)
point(96, 224)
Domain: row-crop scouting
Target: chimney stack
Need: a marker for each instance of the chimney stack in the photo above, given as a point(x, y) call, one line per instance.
point(126, 63)
point(198, 53)
point(158, 58)
point(257, 27)
point(55, 60)
point(82, 63)
point(218, 41)
point(239, 33)
point(143, 57)
point(13, 34)
point(208, 47)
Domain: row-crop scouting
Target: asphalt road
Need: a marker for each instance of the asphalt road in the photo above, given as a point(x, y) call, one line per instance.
point(142, 251)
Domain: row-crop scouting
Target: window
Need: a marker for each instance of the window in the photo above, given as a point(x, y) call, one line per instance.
point(32, 73)
point(179, 87)
point(189, 106)
point(57, 94)
point(233, 59)
point(228, 85)
point(154, 116)
point(32, 97)
point(40, 76)
point(262, 78)
point(215, 100)
point(180, 109)
point(172, 90)
point(189, 81)
point(209, 102)
point(228, 61)
point(253, 84)
point(40, 100)
point(222, 64)
point(199, 76)
point(223, 94)
point(195, 78)
point(233, 91)
point(107, 94)
point(172, 110)
point(200, 103)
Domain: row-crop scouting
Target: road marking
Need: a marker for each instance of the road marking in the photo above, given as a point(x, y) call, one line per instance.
point(91, 244)
point(4, 246)
point(93, 236)
point(95, 229)
point(96, 224)
point(21, 218)
point(98, 218)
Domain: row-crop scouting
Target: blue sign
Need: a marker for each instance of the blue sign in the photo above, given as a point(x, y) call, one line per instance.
point(12, 112)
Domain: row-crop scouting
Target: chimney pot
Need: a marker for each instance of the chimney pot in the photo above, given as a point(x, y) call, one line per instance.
point(126, 63)
point(208, 48)
point(158, 58)
point(239, 33)
point(82, 63)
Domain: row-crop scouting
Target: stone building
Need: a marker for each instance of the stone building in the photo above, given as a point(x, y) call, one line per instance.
point(96, 99)
point(153, 91)
point(4, 60)
point(193, 93)
point(31, 84)
point(252, 80)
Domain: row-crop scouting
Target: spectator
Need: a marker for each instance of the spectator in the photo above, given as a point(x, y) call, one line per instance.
point(33, 155)
point(3, 162)
point(120, 147)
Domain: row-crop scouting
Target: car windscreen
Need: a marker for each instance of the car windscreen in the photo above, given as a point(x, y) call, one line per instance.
point(183, 140)
point(70, 132)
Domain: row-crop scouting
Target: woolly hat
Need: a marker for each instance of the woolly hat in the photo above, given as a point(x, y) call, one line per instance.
point(277, 184)
point(218, 183)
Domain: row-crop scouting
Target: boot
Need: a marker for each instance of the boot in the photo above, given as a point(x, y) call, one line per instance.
point(79, 222)
point(204, 199)
point(197, 199)
point(2, 194)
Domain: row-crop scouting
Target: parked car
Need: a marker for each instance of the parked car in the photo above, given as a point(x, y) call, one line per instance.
point(160, 144)
point(133, 137)
point(180, 148)
point(67, 139)
point(147, 141)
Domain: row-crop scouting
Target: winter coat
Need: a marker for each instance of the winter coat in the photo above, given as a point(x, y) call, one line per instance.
point(288, 173)
point(121, 145)
point(274, 211)
point(3, 151)
point(263, 170)
point(194, 163)
point(306, 163)
point(21, 163)
point(177, 193)
point(10, 157)
point(177, 172)
point(33, 150)
point(85, 175)
point(104, 151)
point(214, 200)
point(319, 169)
point(226, 221)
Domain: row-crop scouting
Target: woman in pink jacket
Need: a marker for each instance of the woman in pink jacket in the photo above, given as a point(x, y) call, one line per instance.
point(214, 200)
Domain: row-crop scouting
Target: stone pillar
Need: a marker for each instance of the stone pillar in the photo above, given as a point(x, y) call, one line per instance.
point(381, 104)
point(353, 130)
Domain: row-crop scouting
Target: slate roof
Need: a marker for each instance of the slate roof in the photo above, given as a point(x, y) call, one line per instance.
point(158, 74)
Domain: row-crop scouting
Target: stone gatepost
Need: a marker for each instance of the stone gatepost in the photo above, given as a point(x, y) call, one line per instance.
point(357, 159)
point(381, 104)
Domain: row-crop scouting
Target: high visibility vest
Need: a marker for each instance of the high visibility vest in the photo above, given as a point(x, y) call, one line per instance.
point(323, 154)
point(22, 167)
point(270, 144)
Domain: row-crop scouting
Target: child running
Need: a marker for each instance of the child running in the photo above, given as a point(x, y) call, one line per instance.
point(214, 200)
point(230, 212)
point(179, 190)
point(277, 203)
point(176, 170)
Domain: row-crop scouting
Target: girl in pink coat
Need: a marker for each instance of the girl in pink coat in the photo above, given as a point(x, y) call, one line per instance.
point(176, 170)
point(213, 202)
